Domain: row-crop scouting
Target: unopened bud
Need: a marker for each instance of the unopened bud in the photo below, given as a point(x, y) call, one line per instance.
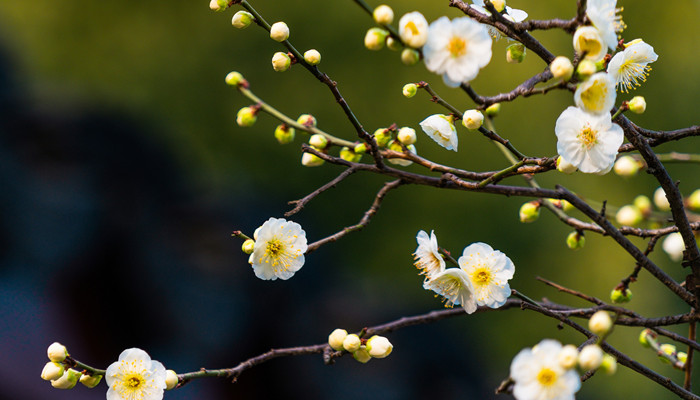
point(52, 371)
point(284, 134)
point(279, 31)
point(562, 68)
point(499, 5)
point(682, 357)
point(281, 61)
point(575, 240)
point(351, 343)
point(407, 135)
point(336, 338)
point(379, 346)
point(674, 246)
point(68, 380)
point(609, 364)
point(242, 19)
point(410, 90)
point(644, 336)
point(362, 355)
point(626, 166)
point(234, 78)
point(375, 38)
point(590, 357)
point(660, 200)
point(472, 119)
point(694, 200)
point(667, 349)
point(218, 5)
point(360, 148)
point(586, 68)
point(171, 379)
point(396, 146)
point(393, 44)
point(382, 136)
point(57, 352)
point(311, 160)
point(628, 215)
point(349, 155)
point(621, 295)
point(90, 381)
point(565, 166)
point(600, 323)
point(307, 120)
point(409, 56)
point(637, 105)
point(318, 141)
point(515, 53)
point(246, 117)
point(493, 110)
point(530, 211)
point(313, 57)
point(248, 246)
point(643, 204)
point(568, 356)
point(383, 15)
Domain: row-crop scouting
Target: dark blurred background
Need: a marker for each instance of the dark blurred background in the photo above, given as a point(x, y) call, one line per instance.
point(123, 174)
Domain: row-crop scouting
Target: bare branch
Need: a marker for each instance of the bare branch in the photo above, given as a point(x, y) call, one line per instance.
point(299, 204)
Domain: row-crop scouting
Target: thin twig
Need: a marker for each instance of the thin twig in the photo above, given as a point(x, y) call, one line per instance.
point(299, 204)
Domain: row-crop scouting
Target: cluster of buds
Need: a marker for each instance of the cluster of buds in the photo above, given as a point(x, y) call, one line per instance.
point(62, 377)
point(412, 33)
point(590, 357)
point(667, 352)
point(395, 140)
point(361, 349)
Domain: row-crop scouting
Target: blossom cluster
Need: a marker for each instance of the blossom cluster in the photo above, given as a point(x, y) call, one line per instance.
point(361, 349)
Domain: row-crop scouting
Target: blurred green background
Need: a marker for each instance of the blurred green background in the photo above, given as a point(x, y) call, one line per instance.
point(124, 173)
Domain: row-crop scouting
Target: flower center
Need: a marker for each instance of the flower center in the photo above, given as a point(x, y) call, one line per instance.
point(457, 46)
point(274, 247)
point(590, 45)
point(133, 382)
point(546, 377)
point(481, 276)
point(594, 96)
point(449, 288)
point(587, 137)
point(411, 26)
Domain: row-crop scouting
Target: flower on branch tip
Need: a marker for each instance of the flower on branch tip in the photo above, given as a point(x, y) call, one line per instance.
point(596, 94)
point(413, 29)
point(441, 129)
point(587, 40)
point(383, 14)
point(637, 105)
point(603, 15)
point(52, 371)
point(587, 141)
point(674, 246)
point(279, 249)
point(428, 258)
point(538, 374)
point(379, 346)
point(246, 117)
point(630, 67)
point(575, 240)
point(336, 338)
point(621, 295)
point(454, 286)
point(135, 376)
point(57, 352)
point(409, 90)
point(242, 19)
point(457, 49)
point(279, 31)
point(234, 78)
point(489, 271)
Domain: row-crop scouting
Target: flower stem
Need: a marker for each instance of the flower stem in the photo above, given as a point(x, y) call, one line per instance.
point(75, 364)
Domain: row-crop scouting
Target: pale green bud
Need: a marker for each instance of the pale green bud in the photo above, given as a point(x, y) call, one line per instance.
point(644, 337)
point(57, 352)
point(575, 240)
point(382, 136)
point(590, 357)
point(609, 364)
point(660, 200)
point(68, 380)
point(472, 119)
point(393, 44)
point(284, 134)
point(637, 105)
point(281, 61)
point(568, 356)
point(628, 215)
point(360, 148)
point(279, 31)
point(493, 110)
point(362, 355)
point(234, 78)
point(352, 343)
point(694, 200)
point(600, 323)
point(620, 296)
point(396, 146)
point(515, 53)
point(248, 246)
point(90, 381)
point(313, 57)
point(52, 371)
point(410, 90)
point(310, 160)
point(586, 68)
point(407, 135)
point(500, 5)
point(336, 338)
point(318, 141)
point(375, 38)
point(242, 19)
point(383, 15)
point(626, 166)
point(564, 166)
point(682, 357)
point(171, 379)
point(246, 117)
point(643, 204)
point(409, 56)
point(379, 346)
point(529, 212)
point(307, 120)
point(669, 350)
point(562, 68)
point(349, 155)
point(218, 5)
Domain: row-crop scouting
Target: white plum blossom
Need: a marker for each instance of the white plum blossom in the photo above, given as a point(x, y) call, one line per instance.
point(135, 376)
point(538, 374)
point(587, 40)
point(413, 29)
point(441, 129)
point(489, 271)
point(597, 94)
point(630, 67)
point(603, 15)
point(453, 284)
point(587, 141)
point(457, 49)
point(511, 14)
point(279, 249)
point(674, 246)
point(428, 258)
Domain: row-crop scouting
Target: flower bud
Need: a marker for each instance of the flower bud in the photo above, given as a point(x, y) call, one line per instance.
point(587, 40)
point(674, 246)
point(409, 56)
point(307, 120)
point(360, 148)
point(57, 352)
point(637, 105)
point(349, 155)
point(493, 110)
point(281, 61)
point(362, 355)
point(351, 343)
point(609, 364)
point(530, 211)
point(564, 166)
point(472, 119)
point(515, 53)
point(68, 380)
point(682, 357)
point(562, 68)
point(375, 38)
point(694, 200)
point(667, 349)
point(248, 246)
point(620, 295)
point(393, 44)
point(628, 215)
point(318, 141)
point(234, 78)
point(242, 19)
point(311, 160)
point(90, 381)
point(379, 346)
point(499, 5)
point(568, 356)
point(586, 68)
point(407, 135)
point(590, 357)
point(396, 146)
point(600, 323)
point(171, 379)
point(626, 166)
point(246, 117)
point(313, 57)
point(336, 338)
point(410, 90)
point(279, 31)
point(643, 204)
point(52, 371)
point(382, 136)
point(284, 134)
point(575, 240)
point(383, 15)
point(218, 5)
point(660, 200)
point(644, 337)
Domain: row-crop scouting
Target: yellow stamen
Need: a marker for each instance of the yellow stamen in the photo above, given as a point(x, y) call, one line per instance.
point(587, 137)
point(457, 46)
point(411, 26)
point(546, 377)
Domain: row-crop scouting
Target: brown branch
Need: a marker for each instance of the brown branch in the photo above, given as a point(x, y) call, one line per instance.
point(578, 294)
point(299, 204)
point(525, 89)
